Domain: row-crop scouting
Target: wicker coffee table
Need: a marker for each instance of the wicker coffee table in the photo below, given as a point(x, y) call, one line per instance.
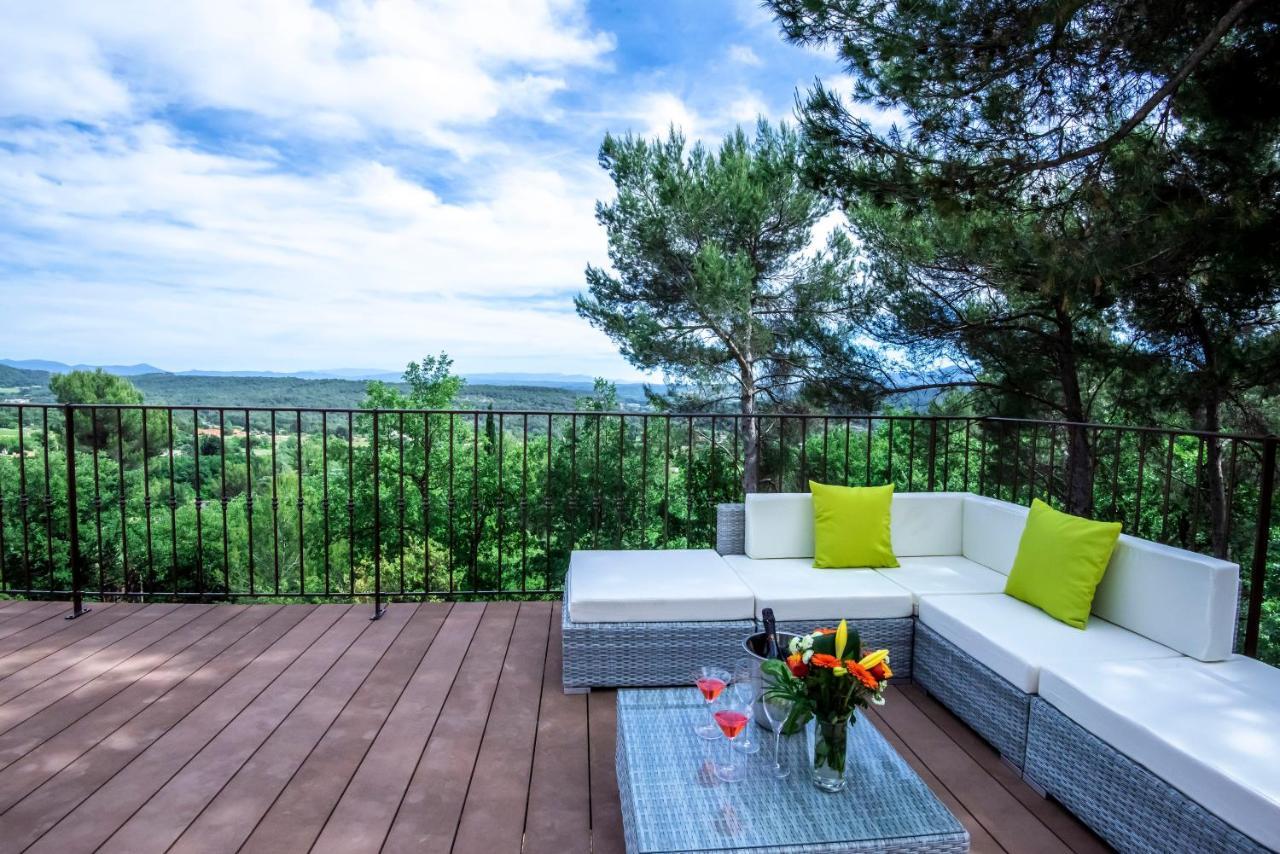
point(672, 801)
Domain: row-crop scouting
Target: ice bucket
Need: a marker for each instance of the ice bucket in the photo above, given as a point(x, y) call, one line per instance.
point(754, 645)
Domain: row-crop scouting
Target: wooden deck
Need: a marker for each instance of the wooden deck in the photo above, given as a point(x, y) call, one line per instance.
point(201, 728)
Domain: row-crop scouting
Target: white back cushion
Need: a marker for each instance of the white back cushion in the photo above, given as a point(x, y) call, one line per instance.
point(927, 523)
point(992, 530)
point(780, 525)
point(1179, 598)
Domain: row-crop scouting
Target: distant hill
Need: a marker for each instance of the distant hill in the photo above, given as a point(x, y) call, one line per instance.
point(63, 367)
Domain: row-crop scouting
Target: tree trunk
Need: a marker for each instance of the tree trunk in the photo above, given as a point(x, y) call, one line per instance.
point(750, 436)
point(1078, 486)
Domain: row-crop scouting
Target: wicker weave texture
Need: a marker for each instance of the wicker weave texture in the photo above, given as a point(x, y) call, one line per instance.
point(671, 800)
point(895, 634)
point(731, 529)
point(615, 655)
point(980, 697)
point(1124, 803)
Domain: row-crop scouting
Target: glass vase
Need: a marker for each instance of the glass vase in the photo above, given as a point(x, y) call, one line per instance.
point(827, 744)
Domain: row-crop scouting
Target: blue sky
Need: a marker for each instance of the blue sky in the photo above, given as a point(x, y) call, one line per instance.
point(285, 185)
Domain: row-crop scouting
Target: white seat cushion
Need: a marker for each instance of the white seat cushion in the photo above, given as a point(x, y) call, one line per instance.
point(992, 531)
point(1016, 639)
point(1210, 730)
point(655, 587)
point(922, 576)
point(797, 591)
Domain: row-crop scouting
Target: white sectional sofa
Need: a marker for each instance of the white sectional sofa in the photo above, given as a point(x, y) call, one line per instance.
point(1144, 723)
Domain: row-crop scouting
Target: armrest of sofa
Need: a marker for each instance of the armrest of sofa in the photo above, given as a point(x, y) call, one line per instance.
point(731, 526)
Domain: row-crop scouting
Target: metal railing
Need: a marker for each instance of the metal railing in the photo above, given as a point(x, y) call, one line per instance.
point(213, 503)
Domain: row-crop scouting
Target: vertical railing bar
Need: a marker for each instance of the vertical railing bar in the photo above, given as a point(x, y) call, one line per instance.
point(248, 494)
point(48, 498)
point(911, 457)
point(546, 509)
point(351, 504)
point(377, 521)
point(688, 490)
point(666, 481)
point(804, 454)
point(275, 507)
point(475, 502)
point(173, 508)
point(866, 479)
point(946, 456)
point(621, 497)
point(1232, 474)
point(1261, 548)
point(932, 474)
point(450, 505)
point(1137, 502)
point(302, 546)
point(1051, 477)
point(226, 534)
point(888, 477)
point(425, 497)
point(73, 517)
point(848, 430)
point(400, 501)
point(968, 424)
point(1168, 483)
point(524, 503)
point(1115, 474)
point(1196, 500)
point(644, 481)
point(97, 501)
point(24, 500)
point(595, 477)
point(146, 504)
point(572, 515)
point(324, 494)
point(195, 456)
point(498, 509)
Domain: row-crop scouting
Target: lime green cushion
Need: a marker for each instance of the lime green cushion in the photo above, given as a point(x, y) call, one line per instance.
point(851, 526)
point(1061, 559)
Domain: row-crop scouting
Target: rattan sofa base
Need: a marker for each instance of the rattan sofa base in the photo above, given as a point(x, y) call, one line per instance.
point(996, 708)
point(1124, 803)
point(896, 634)
point(639, 655)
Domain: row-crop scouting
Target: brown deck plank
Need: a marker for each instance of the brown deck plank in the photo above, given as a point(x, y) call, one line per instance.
point(980, 842)
point(360, 819)
point(155, 743)
point(606, 809)
point(1000, 813)
point(46, 743)
point(304, 700)
point(10, 608)
point(293, 821)
point(147, 641)
point(493, 814)
point(427, 818)
point(85, 643)
point(20, 637)
point(1069, 829)
point(559, 814)
point(36, 612)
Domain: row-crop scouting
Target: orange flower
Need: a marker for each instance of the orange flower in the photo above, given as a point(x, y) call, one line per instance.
point(797, 666)
point(824, 631)
point(881, 671)
point(821, 659)
point(861, 674)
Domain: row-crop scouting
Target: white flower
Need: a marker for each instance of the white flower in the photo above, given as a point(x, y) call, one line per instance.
point(794, 645)
point(877, 699)
point(808, 655)
point(807, 643)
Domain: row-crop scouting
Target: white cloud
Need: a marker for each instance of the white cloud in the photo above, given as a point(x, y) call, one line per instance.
point(348, 68)
point(744, 55)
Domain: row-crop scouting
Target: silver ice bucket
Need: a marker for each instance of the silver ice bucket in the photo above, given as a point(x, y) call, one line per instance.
point(753, 645)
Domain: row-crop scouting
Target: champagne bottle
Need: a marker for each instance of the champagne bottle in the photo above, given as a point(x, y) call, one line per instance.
point(772, 648)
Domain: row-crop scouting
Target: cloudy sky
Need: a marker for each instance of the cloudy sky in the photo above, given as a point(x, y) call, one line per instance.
point(284, 184)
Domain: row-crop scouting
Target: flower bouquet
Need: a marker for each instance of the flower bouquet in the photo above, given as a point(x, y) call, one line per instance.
point(825, 690)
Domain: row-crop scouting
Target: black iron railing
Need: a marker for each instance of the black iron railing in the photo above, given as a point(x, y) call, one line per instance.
point(205, 503)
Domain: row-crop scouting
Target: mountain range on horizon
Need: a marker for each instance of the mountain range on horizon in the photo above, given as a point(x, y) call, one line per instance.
point(518, 378)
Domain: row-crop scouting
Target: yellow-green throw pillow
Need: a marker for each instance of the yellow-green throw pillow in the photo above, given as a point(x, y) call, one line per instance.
point(1061, 559)
point(851, 526)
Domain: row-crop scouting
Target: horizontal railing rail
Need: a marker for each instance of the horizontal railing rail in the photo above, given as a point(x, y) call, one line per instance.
point(198, 503)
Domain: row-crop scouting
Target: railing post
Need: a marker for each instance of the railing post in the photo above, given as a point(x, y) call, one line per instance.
point(377, 527)
point(1261, 546)
point(73, 514)
point(933, 451)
